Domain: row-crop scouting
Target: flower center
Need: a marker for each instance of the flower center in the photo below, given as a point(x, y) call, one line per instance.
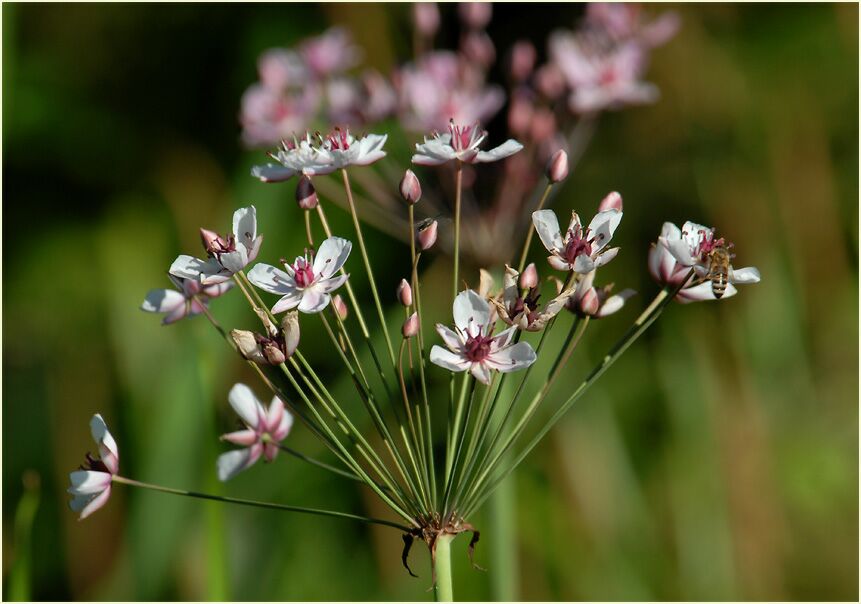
point(339, 140)
point(95, 465)
point(303, 273)
point(464, 137)
point(477, 348)
point(578, 243)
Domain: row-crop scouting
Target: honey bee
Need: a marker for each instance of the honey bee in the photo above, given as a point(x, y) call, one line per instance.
point(719, 264)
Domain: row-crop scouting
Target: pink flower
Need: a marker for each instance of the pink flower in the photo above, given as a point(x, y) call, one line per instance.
point(330, 53)
point(305, 284)
point(580, 250)
point(299, 156)
point(181, 302)
point(268, 115)
point(473, 348)
point(461, 143)
point(600, 76)
point(91, 485)
point(679, 250)
point(624, 21)
point(441, 86)
point(264, 430)
point(227, 255)
point(347, 150)
point(524, 311)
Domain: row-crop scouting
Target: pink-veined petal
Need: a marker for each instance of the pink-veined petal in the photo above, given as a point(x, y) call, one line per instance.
point(180, 312)
point(243, 438)
point(331, 256)
point(270, 451)
point(448, 359)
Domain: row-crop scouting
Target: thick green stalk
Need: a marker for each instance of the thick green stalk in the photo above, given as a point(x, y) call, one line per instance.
point(441, 560)
point(260, 504)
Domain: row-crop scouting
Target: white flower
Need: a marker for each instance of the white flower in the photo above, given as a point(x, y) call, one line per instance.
point(461, 143)
point(679, 250)
point(346, 150)
point(91, 485)
point(581, 251)
point(264, 429)
point(296, 157)
point(305, 285)
point(472, 347)
point(190, 300)
point(226, 255)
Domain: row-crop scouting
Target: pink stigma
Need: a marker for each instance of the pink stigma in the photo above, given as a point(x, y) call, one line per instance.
point(303, 273)
point(477, 348)
point(578, 243)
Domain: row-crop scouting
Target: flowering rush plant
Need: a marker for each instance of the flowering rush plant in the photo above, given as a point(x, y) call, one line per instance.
point(448, 400)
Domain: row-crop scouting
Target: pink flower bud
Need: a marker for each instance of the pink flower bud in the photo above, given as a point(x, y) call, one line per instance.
point(306, 194)
point(590, 303)
point(557, 167)
point(411, 326)
point(613, 201)
point(405, 293)
point(426, 18)
point(273, 354)
point(427, 235)
point(529, 277)
point(340, 306)
point(475, 14)
point(210, 239)
point(411, 189)
point(522, 60)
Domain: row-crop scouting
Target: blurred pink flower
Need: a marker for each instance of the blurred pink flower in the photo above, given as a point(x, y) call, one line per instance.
point(461, 143)
point(306, 284)
point(188, 299)
point(91, 485)
point(624, 21)
point(330, 53)
point(264, 430)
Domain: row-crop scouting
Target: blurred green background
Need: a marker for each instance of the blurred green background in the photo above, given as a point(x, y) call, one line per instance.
point(717, 460)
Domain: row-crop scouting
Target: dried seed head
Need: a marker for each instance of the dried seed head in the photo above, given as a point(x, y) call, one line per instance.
point(306, 194)
point(557, 167)
point(427, 235)
point(340, 306)
point(529, 278)
point(411, 326)
point(246, 342)
point(411, 189)
point(274, 355)
point(405, 293)
point(613, 201)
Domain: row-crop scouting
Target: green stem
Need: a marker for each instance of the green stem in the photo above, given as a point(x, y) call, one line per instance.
point(457, 195)
point(442, 568)
point(260, 504)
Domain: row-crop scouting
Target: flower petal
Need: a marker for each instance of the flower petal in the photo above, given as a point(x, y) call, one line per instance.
point(703, 292)
point(502, 339)
point(331, 256)
point(448, 359)
point(271, 279)
point(288, 302)
point(547, 226)
point(331, 284)
point(87, 482)
point(313, 301)
point(272, 173)
point(232, 463)
point(243, 438)
point(509, 147)
point(615, 302)
point(162, 300)
point(481, 372)
point(108, 449)
point(245, 225)
point(246, 405)
point(187, 267)
point(749, 274)
point(94, 504)
point(513, 358)
point(451, 339)
point(471, 312)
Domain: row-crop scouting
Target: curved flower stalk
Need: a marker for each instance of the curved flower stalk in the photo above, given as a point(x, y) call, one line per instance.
point(461, 143)
point(523, 310)
point(264, 430)
point(579, 250)
point(227, 255)
point(188, 299)
point(91, 485)
point(679, 250)
point(306, 284)
point(473, 347)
